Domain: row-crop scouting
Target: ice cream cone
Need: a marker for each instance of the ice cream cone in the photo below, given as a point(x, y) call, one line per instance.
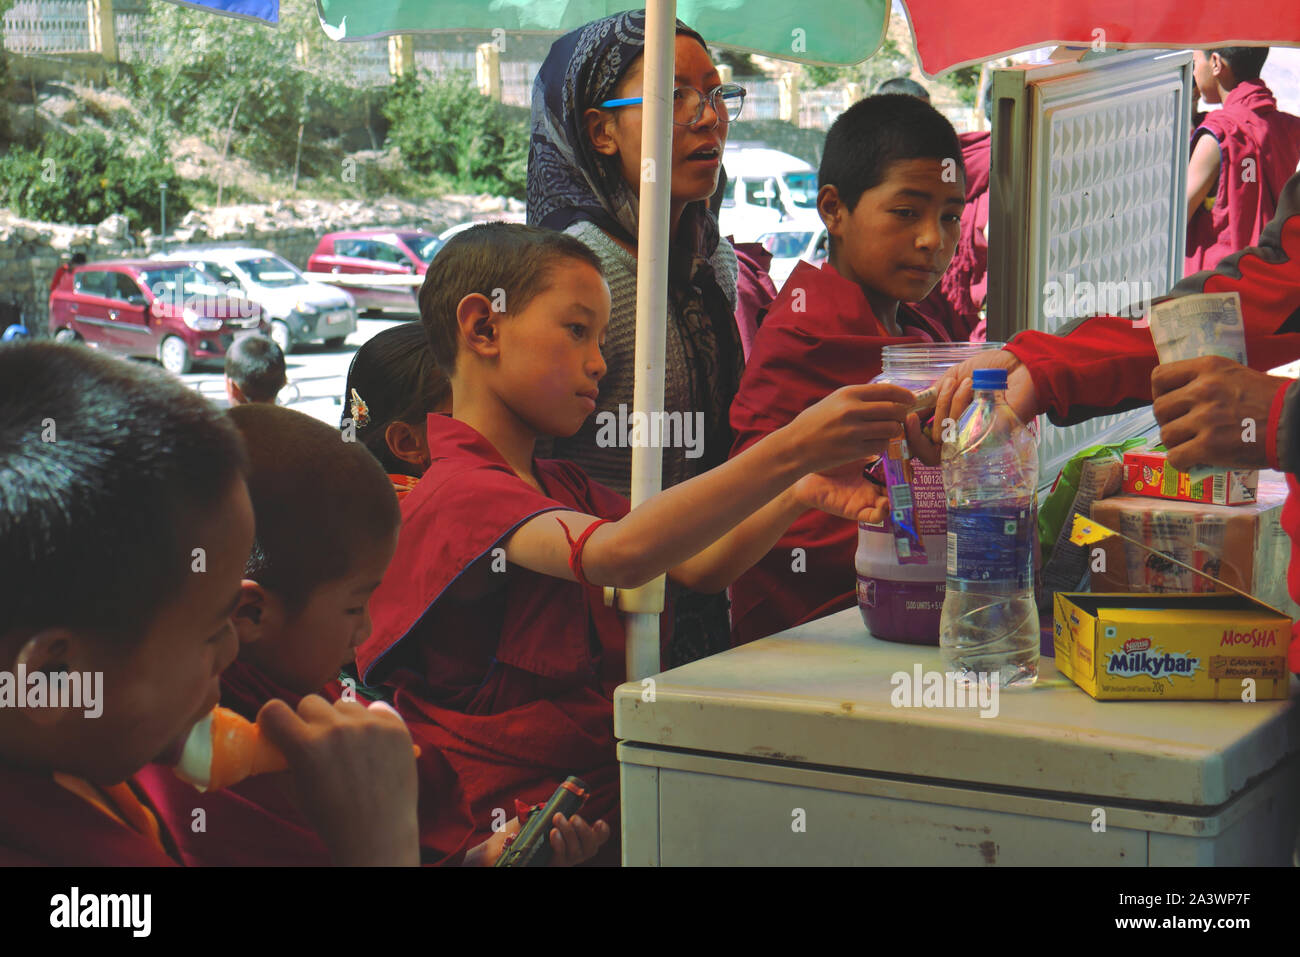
point(225, 748)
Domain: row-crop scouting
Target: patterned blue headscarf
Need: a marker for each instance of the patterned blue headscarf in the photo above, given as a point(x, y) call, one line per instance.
point(568, 180)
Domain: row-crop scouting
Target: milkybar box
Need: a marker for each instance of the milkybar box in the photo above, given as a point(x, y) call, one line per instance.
point(1120, 646)
point(1149, 473)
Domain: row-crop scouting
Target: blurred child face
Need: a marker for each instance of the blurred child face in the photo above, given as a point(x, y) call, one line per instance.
point(158, 690)
point(305, 652)
point(550, 362)
point(900, 237)
point(620, 136)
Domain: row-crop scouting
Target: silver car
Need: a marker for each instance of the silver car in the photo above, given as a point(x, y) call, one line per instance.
point(299, 309)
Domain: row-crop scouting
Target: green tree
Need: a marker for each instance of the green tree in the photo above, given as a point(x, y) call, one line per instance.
point(86, 178)
point(242, 86)
point(446, 129)
point(4, 75)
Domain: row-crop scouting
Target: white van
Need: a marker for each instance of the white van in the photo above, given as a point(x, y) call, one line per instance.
point(766, 189)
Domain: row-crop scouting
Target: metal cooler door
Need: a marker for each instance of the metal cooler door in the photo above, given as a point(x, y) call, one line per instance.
point(1087, 205)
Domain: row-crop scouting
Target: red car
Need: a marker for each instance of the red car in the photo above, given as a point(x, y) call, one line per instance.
point(377, 252)
point(167, 311)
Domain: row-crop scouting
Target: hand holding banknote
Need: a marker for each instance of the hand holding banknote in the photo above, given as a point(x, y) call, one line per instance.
point(1196, 327)
point(1213, 412)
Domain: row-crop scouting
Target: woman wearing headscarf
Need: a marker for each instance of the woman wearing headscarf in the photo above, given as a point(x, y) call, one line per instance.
point(584, 170)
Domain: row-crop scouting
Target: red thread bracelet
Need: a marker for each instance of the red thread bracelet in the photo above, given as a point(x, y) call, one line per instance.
point(575, 548)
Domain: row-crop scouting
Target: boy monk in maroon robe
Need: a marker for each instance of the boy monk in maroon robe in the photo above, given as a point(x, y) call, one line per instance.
point(491, 625)
point(302, 612)
point(1242, 155)
point(125, 523)
point(891, 194)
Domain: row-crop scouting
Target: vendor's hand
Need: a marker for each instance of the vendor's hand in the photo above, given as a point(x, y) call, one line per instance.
point(574, 840)
point(1213, 411)
point(927, 444)
point(1022, 395)
point(354, 776)
point(843, 491)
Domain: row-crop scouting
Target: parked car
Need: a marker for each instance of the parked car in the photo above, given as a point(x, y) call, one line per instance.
point(766, 189)
point(299, 310)
point(376, 252)
point(789, 244)
point(163, 309)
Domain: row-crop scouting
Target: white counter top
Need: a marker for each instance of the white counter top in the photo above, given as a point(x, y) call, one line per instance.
point(820, 695)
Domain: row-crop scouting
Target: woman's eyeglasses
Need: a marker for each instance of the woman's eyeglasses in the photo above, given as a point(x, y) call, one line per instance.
point(688, 103)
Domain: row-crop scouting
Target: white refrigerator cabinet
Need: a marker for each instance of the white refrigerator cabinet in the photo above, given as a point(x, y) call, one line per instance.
point(789, 751)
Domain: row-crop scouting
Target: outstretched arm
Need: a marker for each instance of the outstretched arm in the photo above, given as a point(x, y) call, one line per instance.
point(670, 530)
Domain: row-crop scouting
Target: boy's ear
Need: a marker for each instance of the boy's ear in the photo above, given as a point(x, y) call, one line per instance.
point(234, 393)
point(598, 124)
point(257, 615)
point(479, 324)
point(831, 209)
point(51, 650)
point(409, 443)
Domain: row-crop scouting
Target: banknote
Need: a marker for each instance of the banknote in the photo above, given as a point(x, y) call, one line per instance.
point(1188, 327)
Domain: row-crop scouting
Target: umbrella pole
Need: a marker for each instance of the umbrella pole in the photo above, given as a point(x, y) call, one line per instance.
point(645, 604)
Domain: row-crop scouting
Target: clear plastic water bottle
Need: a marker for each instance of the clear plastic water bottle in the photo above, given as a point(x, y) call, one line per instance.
point(989, 623)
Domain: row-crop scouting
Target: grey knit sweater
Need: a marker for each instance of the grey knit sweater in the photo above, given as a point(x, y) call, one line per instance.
point(612, 466)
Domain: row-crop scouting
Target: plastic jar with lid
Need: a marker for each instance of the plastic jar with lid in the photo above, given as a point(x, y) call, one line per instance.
point(901, 596)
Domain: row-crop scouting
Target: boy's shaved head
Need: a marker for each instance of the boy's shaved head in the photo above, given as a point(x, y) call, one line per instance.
point(105, 467)
point(318, 501)
point(506, 262)
point(1245, 62)
point(878, 131)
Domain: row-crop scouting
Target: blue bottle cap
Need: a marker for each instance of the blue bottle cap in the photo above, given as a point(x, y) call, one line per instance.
point(989, 379)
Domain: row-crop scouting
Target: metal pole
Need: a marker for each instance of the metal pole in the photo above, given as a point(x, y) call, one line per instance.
point(646, 603)
point(162, 235)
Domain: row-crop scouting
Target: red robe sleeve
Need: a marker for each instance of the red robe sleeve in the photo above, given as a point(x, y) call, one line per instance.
point(1103, 364)
point(45, 824)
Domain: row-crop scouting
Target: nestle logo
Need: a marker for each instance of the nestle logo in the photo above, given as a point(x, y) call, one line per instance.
point(1136, 644)
point(1256, 638)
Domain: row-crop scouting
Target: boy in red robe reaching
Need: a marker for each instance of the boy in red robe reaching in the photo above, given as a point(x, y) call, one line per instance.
point(125, 523)
point(1242, 155)
point(490, 626)
point(891, 194)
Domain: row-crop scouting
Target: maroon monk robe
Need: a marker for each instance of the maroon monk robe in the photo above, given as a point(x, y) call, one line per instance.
point(955, 302)
point(515, 687)
point(819, 335)
point(754, 291)
point(1259, 147)
point(255, 823)
point(43, 823)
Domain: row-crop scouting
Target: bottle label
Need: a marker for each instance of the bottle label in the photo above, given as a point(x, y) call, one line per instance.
point(993, 545)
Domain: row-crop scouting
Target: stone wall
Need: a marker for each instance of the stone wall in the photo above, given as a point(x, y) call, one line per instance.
point(31, 251)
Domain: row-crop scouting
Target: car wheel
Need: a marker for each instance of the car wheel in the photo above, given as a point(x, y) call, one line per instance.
point(281, 335)
point(66, 335)
point(174, 355)
point(336, 342)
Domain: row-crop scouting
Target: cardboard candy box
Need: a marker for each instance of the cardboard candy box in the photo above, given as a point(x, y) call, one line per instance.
point(1149, 474)
point(1172, 647)
point(1244, 546)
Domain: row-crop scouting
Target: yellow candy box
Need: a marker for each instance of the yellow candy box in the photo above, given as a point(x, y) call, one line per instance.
point(1124, 646)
